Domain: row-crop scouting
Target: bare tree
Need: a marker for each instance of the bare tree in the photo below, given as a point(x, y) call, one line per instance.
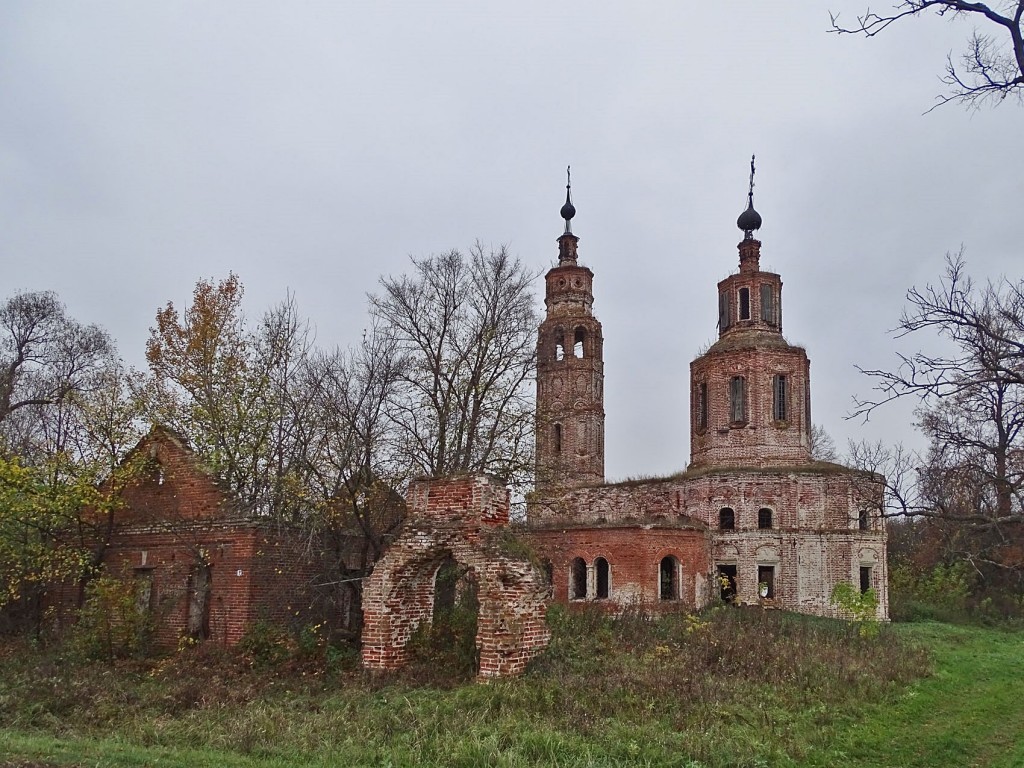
point(466, 326)
point(44, 354)
point(822, 446)
point(356, 473)
point(971, 409)
point(992, 66)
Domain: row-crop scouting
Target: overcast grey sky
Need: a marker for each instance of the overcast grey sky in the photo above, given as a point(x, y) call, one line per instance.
point(312, 146)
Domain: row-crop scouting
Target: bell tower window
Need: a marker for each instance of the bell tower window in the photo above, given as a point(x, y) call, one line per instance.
point(724, 313)
point(768, 313)
point(738, 400)
point(744, 303)
point(577, 347)
point(702, 406)
point(780, 392)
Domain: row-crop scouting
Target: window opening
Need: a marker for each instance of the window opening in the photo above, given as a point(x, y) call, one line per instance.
point(768, 304)
point(865, 578)
point(764, 518)
point(558, 438)
point(702, 406)
point(738, 400)
point(198, 624)
point(727, 583)
point(726, 519)
point(549, 574)
point(766, 581)
point(601, 573)
point(807, 406)
point(862, 520)
point(578, 579)
point(144, 591)
point(453, 621)
point(668, 582)
point(724, 315)
point(560, 350)
point(780, 392)
point(577, 347)
point(744, 303)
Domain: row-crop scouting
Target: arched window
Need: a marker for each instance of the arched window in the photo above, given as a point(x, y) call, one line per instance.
point(601, 574)
point(559, 349)
point(862, 520)
point(764, 518)
point(726, 519)
point(549, 574)
point(724, 311)
point(577, 346)
point(738, 400)
point(578, 579)
point(558, 438)
point(668, 578)
point(744, 303)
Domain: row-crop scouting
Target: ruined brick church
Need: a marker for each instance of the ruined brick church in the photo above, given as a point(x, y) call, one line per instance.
point(753, 519)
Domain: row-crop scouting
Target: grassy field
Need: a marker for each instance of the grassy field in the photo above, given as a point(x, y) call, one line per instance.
point(730, 688)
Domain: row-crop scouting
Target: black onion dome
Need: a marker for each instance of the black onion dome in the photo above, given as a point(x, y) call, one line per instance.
point(568, 210)
point(750, 219)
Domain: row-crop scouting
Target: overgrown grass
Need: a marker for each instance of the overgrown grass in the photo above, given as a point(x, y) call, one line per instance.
point(729, 688)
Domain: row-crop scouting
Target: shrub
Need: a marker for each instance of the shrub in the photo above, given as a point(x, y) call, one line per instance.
point(112, 624)
point(939, 594)
point(861, 608)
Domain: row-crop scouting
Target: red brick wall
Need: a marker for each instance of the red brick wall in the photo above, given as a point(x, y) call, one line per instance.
point(814, 542)
point(634, 555)
point(457, 517)
point(175, 518)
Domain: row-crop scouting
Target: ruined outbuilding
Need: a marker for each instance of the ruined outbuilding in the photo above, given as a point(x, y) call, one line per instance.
point(465, 519)
point(201, 567)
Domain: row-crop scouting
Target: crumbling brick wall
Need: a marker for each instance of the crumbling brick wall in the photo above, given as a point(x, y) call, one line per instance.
point(464, 518)
point(815, 539)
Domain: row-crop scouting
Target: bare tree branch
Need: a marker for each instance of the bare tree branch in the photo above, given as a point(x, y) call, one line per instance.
point(989, 70)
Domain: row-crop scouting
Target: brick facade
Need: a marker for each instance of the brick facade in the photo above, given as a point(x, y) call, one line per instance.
point(176, 533)
point(461, 518)
point(753, 518)
point(570, 377)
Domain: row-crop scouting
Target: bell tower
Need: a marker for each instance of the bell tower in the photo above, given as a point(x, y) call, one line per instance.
point(570, 372)
point(750, 393)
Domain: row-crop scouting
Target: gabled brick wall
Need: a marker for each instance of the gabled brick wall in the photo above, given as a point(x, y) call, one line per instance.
point(174, 521)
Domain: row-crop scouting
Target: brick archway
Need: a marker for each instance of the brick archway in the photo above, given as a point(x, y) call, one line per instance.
point(464, 518)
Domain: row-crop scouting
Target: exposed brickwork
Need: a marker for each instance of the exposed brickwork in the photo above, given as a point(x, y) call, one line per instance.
point(795, 527)
point(175, 521)
point(634, 554)
point(461, 518)
point(570, 378)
